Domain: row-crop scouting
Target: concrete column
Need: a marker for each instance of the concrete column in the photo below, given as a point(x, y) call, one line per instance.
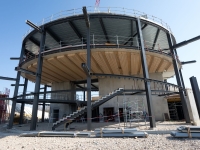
point(192, 108)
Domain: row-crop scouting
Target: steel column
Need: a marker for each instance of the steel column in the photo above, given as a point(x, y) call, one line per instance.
point(146, 75)
point(175, 64)
point(23, 104)
point(11, 119)
point(181, 76)
point(195, 89)
point(43, 104)
point(37, 83)
point(89, 116)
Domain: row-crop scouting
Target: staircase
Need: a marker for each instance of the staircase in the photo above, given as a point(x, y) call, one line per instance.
point(71, 118)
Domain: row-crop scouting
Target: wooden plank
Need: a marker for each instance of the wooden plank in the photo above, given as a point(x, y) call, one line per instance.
point(76, 70)
point(112, 62)
point(148, 59)
point(129, 62)
point(169, 67)
point(134, 66)
point(94, 67)
point(124, 62)
point(65, 69)
point(55, 66)
point(76, 60)
point(139, 64)
point(102, 62)
point(43, 76)
point(163, 65)
point(155, 64)
point(118, 62)
point(46, 75)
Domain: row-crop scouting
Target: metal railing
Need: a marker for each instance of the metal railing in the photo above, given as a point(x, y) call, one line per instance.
point(109, 10)
point(98, 41)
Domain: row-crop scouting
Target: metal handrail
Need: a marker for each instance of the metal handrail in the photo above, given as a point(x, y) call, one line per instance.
point(109, 10)
point(96, 42)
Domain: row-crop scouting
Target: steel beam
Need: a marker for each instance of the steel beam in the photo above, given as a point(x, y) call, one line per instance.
point(38, 80)
point(53, 35)
point(75, 29)
point(43, 104)
point(195, 89)
point(156, 38)
point(85, 81)
point(104, 29)
point(34, 41)
point(12, 114)
point(89, 111)
point(19, 85)
point(7, 78)
point(23, 104)
point(134, 35)
point(186, 42)
point(145, 74)
point(25, 71)
point(176, 69)
point(188, 62)
point(181, 76)
point(14, 58)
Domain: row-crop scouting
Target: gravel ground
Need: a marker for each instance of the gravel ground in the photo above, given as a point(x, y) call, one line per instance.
point(10, 140)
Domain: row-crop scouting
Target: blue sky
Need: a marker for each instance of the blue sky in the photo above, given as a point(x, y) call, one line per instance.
point(181, 15)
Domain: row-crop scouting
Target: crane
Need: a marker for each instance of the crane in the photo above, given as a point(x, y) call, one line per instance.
point(97, 5)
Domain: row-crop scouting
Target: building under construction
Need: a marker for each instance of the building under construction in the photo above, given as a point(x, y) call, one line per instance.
point(3, 108)
point(123, 54)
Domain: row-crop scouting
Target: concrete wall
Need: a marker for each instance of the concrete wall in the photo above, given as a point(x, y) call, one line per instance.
point(64, 109)
point(107, 85)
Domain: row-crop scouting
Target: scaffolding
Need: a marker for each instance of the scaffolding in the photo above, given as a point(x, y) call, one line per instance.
point(133, 110)
point(3, 108)
point(173, 111)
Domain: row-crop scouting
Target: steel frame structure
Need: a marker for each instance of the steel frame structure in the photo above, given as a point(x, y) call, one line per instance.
point(44, 30)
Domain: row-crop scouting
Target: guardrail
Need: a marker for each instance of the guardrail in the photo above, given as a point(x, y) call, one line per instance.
point(109, 10)
point(98, 42)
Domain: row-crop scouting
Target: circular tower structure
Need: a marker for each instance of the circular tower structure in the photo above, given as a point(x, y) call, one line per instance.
point(117, 37)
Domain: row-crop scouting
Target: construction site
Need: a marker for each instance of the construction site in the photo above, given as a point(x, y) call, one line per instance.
point(100, 65)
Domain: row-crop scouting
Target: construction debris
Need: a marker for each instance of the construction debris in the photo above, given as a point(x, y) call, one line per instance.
point(109, 132)
point(187, 131)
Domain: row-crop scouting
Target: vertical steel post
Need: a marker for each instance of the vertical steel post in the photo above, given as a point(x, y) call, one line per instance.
point(10, 124)
point(195, 89)
point(146, 75)
point(89, 116)
point(84, 93)
point(175, 64)
point(23, 104)
point(38, 80)
point(43, 104)
point(181, 76)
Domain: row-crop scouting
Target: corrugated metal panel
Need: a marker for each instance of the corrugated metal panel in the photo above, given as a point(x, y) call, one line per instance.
point(66, 34)
point(149, 34)
point(81, 26)
point(162, 42)
point(30, 46)
point(118, 29)
point(50, 42)
point(97, 31)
